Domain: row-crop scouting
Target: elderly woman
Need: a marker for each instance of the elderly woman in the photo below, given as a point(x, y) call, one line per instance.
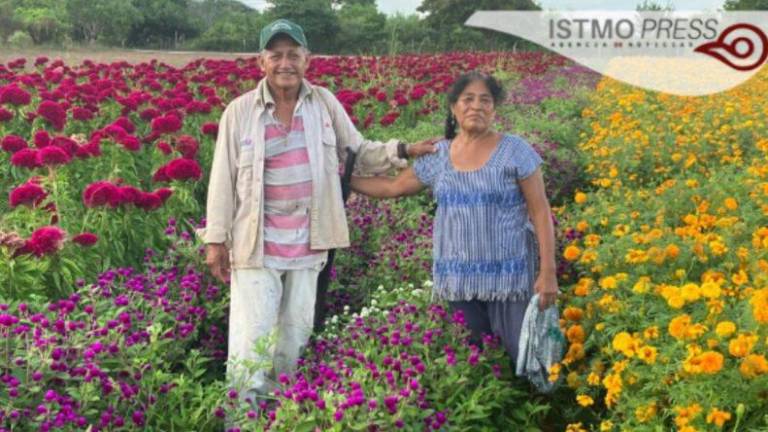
point(491, 208)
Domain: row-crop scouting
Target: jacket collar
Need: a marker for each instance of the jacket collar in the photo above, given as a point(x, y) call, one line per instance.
point(264, 97)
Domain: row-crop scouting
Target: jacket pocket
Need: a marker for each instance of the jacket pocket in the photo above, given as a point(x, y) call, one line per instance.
point(244, 184)
point(330, 153)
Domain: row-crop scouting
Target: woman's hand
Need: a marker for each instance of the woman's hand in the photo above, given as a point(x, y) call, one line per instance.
point(423, 147)
point(546, 287)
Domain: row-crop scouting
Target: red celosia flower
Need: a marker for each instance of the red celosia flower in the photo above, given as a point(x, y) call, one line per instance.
point(129, 194)
point(130, 143)
point(53, 155)
point(126, 124)
point(67, 144)
point(13, 143)
point(26, 158)
point(5, 115)
point(53, 113)
point(211, 129)
point(82, 114)
point(166, 124)
point(164, 147)
point(86, 239)
point(187, 146)
point(101, 193)
point(42, 139)
point(148, 201)
point(389, 118)
point(29, 194)
point(183, 169)
point(46, 240)
point(14, 95)
point(161, 175)
point(163, 193)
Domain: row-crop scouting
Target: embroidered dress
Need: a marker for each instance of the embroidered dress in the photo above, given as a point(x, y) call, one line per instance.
point(484, 244)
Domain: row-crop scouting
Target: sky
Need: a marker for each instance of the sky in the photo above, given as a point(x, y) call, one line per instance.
point(409, 6)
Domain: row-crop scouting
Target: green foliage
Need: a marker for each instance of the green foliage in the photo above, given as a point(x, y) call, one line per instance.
point(362, 28)
point(320, 23)
point(737, 5)
point(20, 39)
point(106, 21)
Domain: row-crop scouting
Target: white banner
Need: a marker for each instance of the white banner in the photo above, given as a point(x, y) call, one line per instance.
point(690, 53)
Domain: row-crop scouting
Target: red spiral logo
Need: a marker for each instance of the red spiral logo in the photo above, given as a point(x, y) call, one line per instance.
point(737, 45)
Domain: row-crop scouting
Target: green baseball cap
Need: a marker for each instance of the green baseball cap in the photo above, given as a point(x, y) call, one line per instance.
point(285, 26)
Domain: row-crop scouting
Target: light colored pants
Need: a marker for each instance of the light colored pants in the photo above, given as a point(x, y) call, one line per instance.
point(272, 309)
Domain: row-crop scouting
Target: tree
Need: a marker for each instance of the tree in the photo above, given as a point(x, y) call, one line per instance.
point(44, 20)
point(163, 23)
point(320, 23)
point(653, 6)
point(235, 32)
point(107, 21)
point(362, 27)
point(735, 5)
point(407, 33)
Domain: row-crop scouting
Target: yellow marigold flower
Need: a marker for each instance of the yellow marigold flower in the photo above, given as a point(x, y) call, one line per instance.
point(575, 333)
point(753, 365)
point(582, 226)
point(593, 379)
point(572, 313)
point(620, 230)
point(584, 400)
point(742, 345)
point(678, 327)
point(725, 328)
point(643, 285)
point(572, 253)
point(575, 353)
point(740, 278)
point(608, 282)
point(588, 256)
point(580, 198)
point(718, 417)
point(575, 427)
point(647, 354)
point(718, 248)
point(711, 362)
point(636, 256)
point(651, 332)
point(554, 372)
point(591, 240)
point(686, 414)
point(690, 292)
point(646, 413)
point(731, 203)
point(625, 343)
point(606, 426)
point(710, 290)
point(672, 251)
point(759, 302)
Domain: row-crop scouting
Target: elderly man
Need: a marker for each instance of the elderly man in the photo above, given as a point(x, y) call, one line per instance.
point(275, 206)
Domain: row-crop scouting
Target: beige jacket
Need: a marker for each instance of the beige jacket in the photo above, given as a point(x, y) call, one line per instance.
point(235, 207)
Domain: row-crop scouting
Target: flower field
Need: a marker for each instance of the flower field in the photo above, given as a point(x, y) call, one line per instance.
point(109, 320)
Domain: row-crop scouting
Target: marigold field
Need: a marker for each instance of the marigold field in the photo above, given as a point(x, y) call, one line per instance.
point(110, 321)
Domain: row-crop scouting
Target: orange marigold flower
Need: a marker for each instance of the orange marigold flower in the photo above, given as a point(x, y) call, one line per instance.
point(718, 417)
point(753, 365)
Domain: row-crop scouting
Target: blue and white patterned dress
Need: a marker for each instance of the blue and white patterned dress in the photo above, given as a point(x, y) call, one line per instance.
point(484, 244)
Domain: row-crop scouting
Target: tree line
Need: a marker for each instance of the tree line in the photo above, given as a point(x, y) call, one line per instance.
point(332, 26)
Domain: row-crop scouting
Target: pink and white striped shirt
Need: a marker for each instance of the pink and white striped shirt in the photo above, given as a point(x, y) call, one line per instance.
point(287, 196)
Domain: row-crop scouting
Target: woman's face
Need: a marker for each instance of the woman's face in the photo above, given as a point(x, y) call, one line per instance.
point(474, 110)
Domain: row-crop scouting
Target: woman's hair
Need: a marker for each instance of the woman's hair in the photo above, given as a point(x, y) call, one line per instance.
point(459, 85)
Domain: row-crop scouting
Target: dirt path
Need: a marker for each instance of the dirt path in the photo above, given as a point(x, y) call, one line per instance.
point(77, 55)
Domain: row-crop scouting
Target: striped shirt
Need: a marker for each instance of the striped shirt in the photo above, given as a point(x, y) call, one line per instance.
point(484, 244)
point(287, 196)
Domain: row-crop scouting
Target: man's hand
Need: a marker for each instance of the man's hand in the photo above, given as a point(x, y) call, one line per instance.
point(217, 258)
point(423, 147)
point(546, 287)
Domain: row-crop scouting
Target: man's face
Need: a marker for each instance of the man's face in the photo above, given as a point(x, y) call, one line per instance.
point(284, 63)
